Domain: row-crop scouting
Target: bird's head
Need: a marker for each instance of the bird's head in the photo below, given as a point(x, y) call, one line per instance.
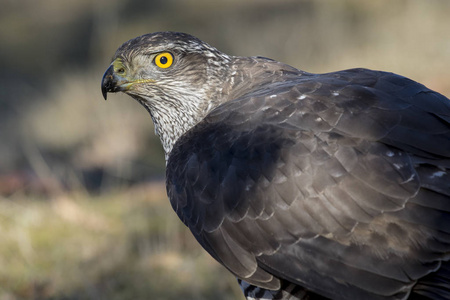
point(175, 76)
point(158, 64)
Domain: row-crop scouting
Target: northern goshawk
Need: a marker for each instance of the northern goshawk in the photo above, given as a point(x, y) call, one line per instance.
point(304, 186)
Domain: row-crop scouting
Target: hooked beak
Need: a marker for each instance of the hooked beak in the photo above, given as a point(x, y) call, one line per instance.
point(111, 82)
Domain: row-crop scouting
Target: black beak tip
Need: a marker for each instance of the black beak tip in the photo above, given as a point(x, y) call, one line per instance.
point(104, 92)
point(108, 82)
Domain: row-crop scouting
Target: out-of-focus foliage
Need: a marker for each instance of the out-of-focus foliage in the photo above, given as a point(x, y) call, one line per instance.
point(65, 151)
point(122, 245)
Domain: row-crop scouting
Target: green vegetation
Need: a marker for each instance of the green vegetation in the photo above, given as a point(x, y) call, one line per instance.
point(124, 245)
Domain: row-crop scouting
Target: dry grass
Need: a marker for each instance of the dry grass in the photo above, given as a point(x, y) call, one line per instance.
point(124, 245)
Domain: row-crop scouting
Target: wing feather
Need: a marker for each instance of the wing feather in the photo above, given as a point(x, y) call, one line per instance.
point(339, 183)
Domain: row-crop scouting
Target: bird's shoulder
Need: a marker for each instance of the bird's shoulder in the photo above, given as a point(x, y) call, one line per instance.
point(344, 118)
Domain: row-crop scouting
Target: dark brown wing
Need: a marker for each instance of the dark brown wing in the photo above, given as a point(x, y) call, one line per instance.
point(337, 182)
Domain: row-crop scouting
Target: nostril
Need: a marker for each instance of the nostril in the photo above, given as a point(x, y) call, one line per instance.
point(108, 82)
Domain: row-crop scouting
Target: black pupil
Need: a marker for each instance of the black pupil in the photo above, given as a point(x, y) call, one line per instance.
point(163, 60)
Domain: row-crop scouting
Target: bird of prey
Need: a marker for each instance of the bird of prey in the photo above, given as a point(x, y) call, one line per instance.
point(304, 186)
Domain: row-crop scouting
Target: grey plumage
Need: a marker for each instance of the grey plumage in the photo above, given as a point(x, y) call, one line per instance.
point(336, 183)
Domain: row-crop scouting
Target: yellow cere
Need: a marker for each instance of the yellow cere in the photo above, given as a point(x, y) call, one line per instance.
point(164, 60)
point(118, 67)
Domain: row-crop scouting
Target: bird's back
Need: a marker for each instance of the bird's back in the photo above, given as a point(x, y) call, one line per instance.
point(338, 183)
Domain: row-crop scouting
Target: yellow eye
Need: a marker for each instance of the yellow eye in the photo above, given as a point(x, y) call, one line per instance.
point(164, 60)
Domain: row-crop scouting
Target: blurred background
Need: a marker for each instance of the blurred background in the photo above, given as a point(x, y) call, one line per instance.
point(83, 209)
